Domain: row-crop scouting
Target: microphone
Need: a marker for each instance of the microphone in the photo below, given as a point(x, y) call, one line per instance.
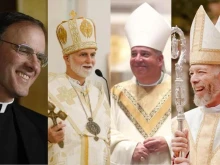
point(99, 73)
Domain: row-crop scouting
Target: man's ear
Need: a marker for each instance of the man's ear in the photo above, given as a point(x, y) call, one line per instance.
point(66, 59)
point(160, 59)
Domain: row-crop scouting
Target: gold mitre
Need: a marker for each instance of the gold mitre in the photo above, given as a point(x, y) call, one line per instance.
point(76, 34)
point(204, 40)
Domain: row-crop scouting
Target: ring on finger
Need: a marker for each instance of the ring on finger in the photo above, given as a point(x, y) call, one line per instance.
point(142, 159)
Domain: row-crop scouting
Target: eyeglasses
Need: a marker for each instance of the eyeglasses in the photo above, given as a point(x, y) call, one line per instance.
point(27, 51)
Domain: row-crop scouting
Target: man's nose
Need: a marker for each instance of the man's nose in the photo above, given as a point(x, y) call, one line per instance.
point(138, 57)
point(89, 59)
point(194, 79)
point(33, 63)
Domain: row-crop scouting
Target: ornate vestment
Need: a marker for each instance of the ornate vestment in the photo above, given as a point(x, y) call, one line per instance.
point(139, 113)
point(204, 135)
point(80, 147)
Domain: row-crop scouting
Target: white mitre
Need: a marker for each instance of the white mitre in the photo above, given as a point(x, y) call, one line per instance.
point(146, 27)
point(217, 25)
point(204, 40)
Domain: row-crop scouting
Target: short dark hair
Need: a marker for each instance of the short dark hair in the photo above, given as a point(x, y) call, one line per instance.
point(9, 18)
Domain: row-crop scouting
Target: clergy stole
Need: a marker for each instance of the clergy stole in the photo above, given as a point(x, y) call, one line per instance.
point(201, 152)
point(84, 138)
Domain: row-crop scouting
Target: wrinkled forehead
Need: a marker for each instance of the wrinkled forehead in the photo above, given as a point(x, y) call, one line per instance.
point(201, 67)
point(85, 51)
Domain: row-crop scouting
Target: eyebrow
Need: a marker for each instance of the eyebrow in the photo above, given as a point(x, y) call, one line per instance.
point(87, 53)
point(197, 69)
point(145, 51)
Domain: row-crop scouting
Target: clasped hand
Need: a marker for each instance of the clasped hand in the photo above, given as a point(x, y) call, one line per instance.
point(150, 145)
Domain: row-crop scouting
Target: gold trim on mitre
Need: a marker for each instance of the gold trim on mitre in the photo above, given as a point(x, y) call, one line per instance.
point(204, 40)
point(86, 28)
point(76, 34)
point(61, 34)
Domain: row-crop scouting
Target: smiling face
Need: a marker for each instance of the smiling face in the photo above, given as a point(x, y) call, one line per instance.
point(146, 64)
point(17, 72)
point(205, 81)
point(80, 64)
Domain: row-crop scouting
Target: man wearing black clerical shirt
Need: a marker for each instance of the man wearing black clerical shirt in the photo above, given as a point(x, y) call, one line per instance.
point(23, 132)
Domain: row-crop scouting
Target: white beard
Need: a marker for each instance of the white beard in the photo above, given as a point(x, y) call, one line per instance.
point(212, 91)
point(79, 70)
point(203, 100)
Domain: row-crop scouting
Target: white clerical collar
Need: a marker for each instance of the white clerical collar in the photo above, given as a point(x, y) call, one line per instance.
point(215, 109)
point(74, 81)
point(4, 106)
point(154, 84)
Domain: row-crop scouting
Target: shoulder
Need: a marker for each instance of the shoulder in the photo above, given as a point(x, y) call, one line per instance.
point(190, 116)
point(96, 84)
point(55, 76)
point(32, 116)
point(167, 76)
point(119, 88)
point(166, 81)
point(123, 84)
point(30, 113)
point(192, 112)
point(193, 116)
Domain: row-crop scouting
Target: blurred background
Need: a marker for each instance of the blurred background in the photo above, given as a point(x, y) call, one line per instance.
point(183, 12)
point(37, 98)
point(120, 51)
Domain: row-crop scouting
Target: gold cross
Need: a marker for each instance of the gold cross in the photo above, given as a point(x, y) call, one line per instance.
point(73, 14)
point(62, 115)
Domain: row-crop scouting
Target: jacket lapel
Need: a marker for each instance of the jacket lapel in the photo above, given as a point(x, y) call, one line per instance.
point(30, 136)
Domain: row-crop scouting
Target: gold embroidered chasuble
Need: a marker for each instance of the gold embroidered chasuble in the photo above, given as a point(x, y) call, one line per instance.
point(138, 113)
point(142, 107)
point(80, 147)
point(204, 135)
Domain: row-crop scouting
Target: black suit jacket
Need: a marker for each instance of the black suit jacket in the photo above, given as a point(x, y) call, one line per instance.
point(32, 128)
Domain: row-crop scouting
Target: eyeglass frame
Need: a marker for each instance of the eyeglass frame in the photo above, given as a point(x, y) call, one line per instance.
point(43, 64)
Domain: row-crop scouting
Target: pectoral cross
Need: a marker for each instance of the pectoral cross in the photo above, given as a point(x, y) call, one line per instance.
point(62, 115)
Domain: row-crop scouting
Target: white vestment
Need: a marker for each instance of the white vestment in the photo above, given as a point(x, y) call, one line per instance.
point(80, 147)
point(204, 135)
point(138, 113)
